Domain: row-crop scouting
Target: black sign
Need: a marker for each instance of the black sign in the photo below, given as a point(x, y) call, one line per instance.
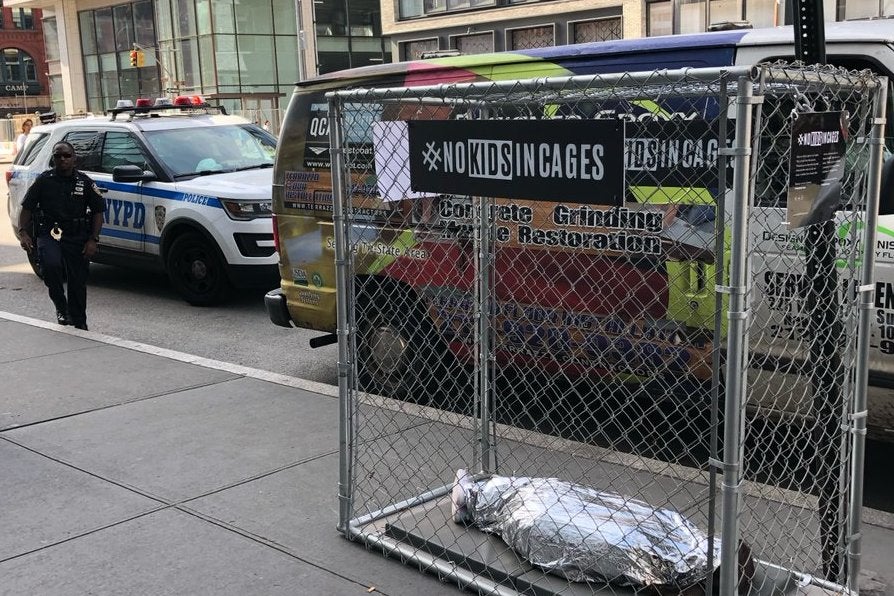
point(580, 161)
point(672, 153)
point(816, 165)
point(12, 89)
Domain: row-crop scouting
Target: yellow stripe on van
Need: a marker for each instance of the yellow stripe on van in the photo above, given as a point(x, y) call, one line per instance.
point(405, 240)
point(680, 195)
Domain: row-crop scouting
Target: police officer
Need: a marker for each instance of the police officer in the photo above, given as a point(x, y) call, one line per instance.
point(67, 208)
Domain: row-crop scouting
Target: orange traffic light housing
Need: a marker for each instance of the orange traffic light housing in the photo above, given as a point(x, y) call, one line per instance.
point(134, 59)
point(141, 58)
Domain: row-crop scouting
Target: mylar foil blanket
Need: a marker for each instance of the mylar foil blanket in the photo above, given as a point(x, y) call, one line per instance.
point(584, 534)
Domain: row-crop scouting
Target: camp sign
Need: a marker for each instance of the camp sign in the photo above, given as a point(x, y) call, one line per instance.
point(576, 160)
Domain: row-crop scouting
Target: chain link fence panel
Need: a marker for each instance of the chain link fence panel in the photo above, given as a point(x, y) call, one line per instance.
point(605, 334)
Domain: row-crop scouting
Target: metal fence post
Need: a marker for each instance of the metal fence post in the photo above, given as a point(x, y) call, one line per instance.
point(865, 305)
point(339, 194)
point(737, 348)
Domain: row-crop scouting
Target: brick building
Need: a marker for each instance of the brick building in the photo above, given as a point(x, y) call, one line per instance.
point(24, 84)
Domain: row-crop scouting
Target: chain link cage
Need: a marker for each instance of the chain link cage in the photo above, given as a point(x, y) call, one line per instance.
point(581, 317)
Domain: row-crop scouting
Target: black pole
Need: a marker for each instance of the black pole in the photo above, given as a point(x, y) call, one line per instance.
point(824, 331)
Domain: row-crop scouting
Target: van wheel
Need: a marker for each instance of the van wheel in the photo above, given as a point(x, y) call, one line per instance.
point(398, 355)
point(196, 270)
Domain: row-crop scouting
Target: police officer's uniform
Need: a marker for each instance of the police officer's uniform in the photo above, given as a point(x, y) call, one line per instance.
point(64, 205)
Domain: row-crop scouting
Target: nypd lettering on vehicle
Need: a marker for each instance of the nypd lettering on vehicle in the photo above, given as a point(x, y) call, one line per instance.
point(124, 213)
point(127, 214)
point(524, 159)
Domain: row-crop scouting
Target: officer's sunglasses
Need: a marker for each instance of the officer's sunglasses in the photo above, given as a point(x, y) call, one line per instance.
point(63, 155)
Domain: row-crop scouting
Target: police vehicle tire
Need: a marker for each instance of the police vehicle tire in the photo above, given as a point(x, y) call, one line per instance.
point(398, 353)
point(196, 270)
point(35, 264)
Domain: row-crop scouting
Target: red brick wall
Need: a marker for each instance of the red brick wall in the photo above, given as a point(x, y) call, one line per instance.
point(31, 42)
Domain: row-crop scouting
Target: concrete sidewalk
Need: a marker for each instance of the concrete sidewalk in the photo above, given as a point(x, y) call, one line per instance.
point(128, 469)
point(132, 470)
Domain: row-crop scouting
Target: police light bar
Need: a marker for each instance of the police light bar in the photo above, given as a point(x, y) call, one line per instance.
point(144, 106)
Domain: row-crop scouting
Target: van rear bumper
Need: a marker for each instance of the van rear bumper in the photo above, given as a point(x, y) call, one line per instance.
point(275, 303)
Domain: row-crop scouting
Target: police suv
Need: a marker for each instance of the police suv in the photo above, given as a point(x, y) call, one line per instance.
point(187, 190)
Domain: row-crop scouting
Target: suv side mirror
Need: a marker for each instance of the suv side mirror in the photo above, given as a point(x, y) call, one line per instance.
point(131, 174)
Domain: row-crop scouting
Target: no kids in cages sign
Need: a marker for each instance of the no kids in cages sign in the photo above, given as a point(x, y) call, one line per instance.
point(576, 160)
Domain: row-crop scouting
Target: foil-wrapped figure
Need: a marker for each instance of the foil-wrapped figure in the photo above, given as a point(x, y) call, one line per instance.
point(584, 534)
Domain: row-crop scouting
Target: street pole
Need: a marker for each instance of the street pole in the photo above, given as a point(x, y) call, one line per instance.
point(825, 333)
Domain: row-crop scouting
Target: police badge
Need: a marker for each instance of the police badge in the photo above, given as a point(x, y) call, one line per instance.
point(159, 217)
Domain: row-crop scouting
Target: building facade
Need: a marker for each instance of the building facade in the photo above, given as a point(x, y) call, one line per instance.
point(247, 54)
point(24, 83)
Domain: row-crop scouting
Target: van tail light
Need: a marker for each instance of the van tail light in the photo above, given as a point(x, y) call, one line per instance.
point(8, 176)
point(275, 234)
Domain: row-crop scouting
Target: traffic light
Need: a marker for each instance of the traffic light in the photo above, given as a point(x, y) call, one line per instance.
point(141, 58)
point(134, 59)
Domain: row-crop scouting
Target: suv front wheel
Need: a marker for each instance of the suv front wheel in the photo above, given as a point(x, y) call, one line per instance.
point(196, 270)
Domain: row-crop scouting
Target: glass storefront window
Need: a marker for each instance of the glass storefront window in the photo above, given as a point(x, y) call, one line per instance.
point(256, 67)
point(284, 26)
point(185, 22)
point(144, 23)
point(226, 58)
point(107, 36)
point(206, 58)
point(88, 33)
point(254, 16)
point(286, 65)
point(105, 31)
point(51, 39)
point(163, 23)
point(188, 64)
point(203, 17)
point(57, 97)
point(223, 16)
point(123, 18)
point(108, 69)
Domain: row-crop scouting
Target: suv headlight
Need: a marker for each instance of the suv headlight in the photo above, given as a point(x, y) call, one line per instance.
point(244, 210)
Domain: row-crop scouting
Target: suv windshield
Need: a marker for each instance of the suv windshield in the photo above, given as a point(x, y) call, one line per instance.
point(212, 149)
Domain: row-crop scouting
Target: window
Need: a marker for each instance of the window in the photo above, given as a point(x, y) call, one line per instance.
point(87, 145)
point(107, 37)
point(658, 18)
point(692, 16)
point(413, 50)
point(121, 149)
point(532, 37)
point(22, 18)
point(32, 148)
point(17, 66)
point(596, 30)
point(477, 43)
point(50, 40)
